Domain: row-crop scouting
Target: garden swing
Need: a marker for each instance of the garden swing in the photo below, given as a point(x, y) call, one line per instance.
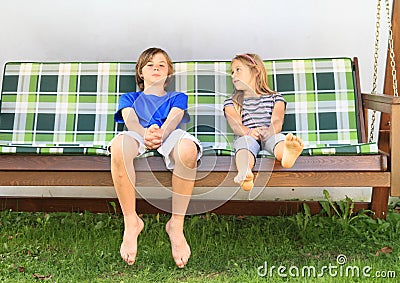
point(50, 151)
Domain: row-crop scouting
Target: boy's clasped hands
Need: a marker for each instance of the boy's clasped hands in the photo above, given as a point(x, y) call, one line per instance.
point(153, 137)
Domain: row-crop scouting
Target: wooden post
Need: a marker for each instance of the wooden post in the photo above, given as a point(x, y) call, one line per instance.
point(384, 130)
point(380, 196)
point(379, 202)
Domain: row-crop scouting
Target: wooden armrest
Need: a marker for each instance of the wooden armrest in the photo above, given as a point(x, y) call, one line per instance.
point(391, 105)
point(379, 102)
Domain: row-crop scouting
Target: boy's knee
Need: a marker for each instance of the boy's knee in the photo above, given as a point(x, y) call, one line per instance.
point(187, 153)
point(123, 148)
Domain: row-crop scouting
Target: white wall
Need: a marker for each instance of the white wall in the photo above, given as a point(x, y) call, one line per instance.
point(118, 30)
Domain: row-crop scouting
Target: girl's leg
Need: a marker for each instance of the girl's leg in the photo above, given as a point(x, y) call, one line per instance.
point(244, 160)
point(183, 178)
point(288, 151)
point(123, 150)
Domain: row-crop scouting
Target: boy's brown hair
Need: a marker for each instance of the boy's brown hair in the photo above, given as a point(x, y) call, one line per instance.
point(144, 58)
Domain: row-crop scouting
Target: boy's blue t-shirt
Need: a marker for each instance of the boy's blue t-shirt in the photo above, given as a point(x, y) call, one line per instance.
point(152, 109)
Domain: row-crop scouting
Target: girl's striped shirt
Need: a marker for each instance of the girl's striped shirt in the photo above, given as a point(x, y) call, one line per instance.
point(257, 111)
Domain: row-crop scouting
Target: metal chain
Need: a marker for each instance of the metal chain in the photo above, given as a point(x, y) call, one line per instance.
point(376, 55)
point(391, 49)
point(391, 54)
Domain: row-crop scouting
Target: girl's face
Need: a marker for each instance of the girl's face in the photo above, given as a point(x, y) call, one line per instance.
point(242, 76)
point(155, 71)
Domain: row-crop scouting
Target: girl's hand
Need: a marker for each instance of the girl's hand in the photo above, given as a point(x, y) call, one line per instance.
point(254, 133)
point(263, 133)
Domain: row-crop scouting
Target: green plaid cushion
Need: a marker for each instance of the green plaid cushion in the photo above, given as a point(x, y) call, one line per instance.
point(324, 149)
point(54, 149)
point(354, 149)
point(321, 99)
point(321, 105)
point(207, 84)
point(67, 108)
point(60, 107)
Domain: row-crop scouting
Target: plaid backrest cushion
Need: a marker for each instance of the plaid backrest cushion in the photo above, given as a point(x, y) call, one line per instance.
point(320, 93)
point(321, 99)
point(62, 104)
point(207, 84)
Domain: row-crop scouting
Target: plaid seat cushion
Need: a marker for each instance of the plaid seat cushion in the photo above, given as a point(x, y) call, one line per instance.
point(54, 149)
point(68, 108)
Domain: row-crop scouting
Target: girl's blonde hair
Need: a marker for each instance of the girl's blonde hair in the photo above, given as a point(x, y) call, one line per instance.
point(257, 67)
point(144, 58)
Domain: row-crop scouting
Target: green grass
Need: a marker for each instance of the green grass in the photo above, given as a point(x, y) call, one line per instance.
point(84, 247)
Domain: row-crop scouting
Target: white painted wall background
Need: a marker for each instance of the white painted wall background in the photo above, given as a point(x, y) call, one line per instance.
point(118, 30)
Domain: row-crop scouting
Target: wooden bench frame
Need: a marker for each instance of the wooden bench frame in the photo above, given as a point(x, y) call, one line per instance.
point(381, 172)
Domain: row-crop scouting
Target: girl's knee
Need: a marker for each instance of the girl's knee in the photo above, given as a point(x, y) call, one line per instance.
point(278, 150)
point(243, 154)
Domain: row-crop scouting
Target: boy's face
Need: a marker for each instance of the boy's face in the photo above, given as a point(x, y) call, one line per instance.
point(242, 77)
point(155, 71)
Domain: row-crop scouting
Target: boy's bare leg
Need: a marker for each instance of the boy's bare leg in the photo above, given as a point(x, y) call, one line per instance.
point(123, 150)
point(289, 150)
point(244, 163)
point(183, 178)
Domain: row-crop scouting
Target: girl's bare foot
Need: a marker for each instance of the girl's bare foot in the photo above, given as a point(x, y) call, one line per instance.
point(128, 248)
point(293, 146)
point(245, 180)
point(179, 246)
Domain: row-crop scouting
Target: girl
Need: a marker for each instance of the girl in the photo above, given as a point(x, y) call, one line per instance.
point(152, 117)
point(255, 113)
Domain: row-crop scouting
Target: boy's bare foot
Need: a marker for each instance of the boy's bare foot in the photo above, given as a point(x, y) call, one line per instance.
point(245, 180)
point(128, 248)
point(293, 146)
point(179, 246)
